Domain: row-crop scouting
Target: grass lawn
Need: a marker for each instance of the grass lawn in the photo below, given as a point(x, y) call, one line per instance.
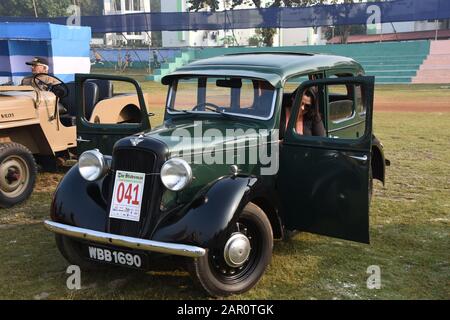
point(410, 224)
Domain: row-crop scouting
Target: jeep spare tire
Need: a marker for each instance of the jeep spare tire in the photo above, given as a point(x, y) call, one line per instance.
point(18, 172)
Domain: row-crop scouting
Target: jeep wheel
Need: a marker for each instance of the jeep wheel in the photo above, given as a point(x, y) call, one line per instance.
point(18, 172)
point(241, 261)
point(71, 251)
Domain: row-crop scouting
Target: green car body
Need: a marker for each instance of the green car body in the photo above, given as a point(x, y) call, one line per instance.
point(320, 184)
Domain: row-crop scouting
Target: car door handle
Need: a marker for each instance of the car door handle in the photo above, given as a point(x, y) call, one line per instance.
point(80, 139)
point(363, 158)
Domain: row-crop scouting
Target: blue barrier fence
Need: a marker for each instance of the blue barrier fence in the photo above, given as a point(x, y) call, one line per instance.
point(313, 16)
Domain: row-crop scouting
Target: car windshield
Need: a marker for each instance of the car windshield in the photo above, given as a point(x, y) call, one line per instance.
point(226, 95)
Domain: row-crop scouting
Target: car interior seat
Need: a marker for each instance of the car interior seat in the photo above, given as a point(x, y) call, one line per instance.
point(91, 97)
point(338, 108)
point(105, 88)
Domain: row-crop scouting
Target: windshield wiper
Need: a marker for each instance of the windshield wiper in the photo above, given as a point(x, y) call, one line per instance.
point(182, 111)
point(222, 112)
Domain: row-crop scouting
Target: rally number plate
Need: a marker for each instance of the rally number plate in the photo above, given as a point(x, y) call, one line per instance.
point(127, 196)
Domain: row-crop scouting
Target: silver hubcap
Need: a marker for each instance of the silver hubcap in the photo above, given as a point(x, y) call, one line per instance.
point(14, 176)
point(237, 249)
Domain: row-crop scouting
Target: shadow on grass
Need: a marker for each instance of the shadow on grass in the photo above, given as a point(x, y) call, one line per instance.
point(413, 260)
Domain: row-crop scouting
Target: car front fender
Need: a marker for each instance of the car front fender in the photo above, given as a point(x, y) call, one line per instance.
point(206, 221)
point(79, 203)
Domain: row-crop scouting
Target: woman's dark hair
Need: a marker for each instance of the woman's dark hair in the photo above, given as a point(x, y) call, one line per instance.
point(312, 113)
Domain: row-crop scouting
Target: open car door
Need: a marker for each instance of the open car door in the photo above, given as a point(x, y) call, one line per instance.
point(324, 181)
point(108, 109)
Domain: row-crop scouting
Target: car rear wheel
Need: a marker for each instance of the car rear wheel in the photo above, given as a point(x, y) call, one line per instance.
point(18, 172)
point(238, 264)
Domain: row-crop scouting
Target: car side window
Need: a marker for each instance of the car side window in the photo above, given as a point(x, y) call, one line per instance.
point(339, 116)
point(345, 111)
point(340, 103)
point(360, 107)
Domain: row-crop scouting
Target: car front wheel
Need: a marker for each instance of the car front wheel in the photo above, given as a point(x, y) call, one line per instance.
point(238, 264)
point(71, 250)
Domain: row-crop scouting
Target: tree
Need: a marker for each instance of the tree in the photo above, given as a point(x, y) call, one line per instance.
point(91, 7)
point(344, 32)
point(48, 8)
point(265, 34)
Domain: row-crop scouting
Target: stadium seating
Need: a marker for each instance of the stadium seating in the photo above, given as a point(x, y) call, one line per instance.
point(179, 59)
point(390, 62)
point(436, 68)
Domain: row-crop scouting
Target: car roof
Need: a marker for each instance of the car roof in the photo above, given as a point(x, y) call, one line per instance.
point(274, 67)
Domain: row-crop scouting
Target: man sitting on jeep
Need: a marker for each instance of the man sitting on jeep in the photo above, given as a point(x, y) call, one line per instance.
point(38, 66)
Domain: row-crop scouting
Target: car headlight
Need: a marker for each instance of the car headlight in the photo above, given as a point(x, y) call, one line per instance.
point(92, 165)
point(176, 174)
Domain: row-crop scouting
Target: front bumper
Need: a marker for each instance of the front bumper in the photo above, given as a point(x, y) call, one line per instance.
point(126, 242)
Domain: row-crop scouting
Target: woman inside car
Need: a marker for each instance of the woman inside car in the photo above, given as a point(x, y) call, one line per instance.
point(309, 122)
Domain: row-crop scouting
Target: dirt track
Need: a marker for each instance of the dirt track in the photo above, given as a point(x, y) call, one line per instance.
point(412, 107)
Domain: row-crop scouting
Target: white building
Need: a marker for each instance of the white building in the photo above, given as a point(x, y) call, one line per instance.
point(201, 38)
point(212, 38)
point(238, 37)
point(113, 7)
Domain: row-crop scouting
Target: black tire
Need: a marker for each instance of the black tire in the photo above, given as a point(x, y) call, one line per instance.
point(208, 270)
point(71, 251)
point(370, 185)
point(18, 172)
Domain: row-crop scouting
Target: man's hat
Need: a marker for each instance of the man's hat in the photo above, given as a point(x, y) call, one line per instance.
point(38, 61)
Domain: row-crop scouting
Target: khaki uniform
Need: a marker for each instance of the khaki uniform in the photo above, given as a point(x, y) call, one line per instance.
point(28, 81)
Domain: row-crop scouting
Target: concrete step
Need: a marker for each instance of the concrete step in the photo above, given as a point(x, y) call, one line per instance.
point(435, 67)
point(391, 67)
point(392, 73)
point(440, 47)
point(394, 56)
point(434, 73)
point(399, 79)
point(438, 59)
point(431, 80)
point(392, 80)
point(388, 62)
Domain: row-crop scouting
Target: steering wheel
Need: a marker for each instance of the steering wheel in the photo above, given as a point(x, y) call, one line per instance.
point(45, 82)
point(205, 104)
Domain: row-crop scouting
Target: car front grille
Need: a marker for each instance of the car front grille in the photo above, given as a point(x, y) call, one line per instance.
point(135, 160)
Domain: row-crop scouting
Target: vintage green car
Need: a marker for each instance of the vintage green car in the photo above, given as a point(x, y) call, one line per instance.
point(252, 146)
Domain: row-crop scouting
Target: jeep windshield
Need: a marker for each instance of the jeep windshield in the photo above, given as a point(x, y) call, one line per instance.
point(244, 97)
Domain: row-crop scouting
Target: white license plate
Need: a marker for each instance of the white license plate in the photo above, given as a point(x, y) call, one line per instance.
point(127, 196)
point(118, 257)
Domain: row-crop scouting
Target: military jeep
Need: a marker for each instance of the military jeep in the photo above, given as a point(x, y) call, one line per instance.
point(227, 172)
point(38, 127)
